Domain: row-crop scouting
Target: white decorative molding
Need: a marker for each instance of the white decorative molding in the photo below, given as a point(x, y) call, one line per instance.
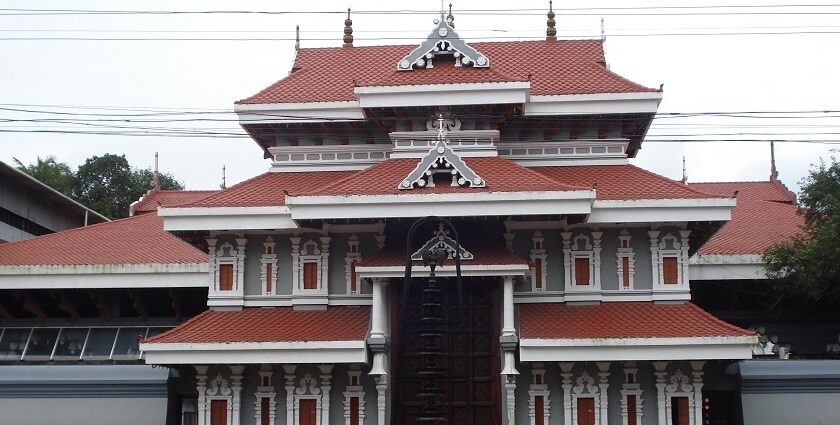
point(565, 153)
point(236, 378)
point(289, 376)
point(227, 254)
point(538, 392)
point(309, 388)
point(381, 392)
point(679, 384)
point(265, 394)
point(625, 253)
point(441, 159)
point(268, 267)
point(443, 40)
point(354, 394)
point(585, 387)
point(442, 240)
point(328, 157)
point(582, 246)
point(566, 374)
point(539, 263)
point(631, 388)
point(217, 389)
point(315, 250)
point(466, 143)
point(669, 246)
point(510, 399)
point(351, 258)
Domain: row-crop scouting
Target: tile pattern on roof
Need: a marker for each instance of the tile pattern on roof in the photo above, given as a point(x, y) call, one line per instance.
point(270, 189)
point(621, 320)
point(765, 214)
point(576, 67)
point(277, 324)
point(134, 240)
point(500, 175)
point(168, 198)
point(623, 182)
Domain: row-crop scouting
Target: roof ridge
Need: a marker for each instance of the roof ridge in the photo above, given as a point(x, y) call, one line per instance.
point(222, 191)
point(676, 183)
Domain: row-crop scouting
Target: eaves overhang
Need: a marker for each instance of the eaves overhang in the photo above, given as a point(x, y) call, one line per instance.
point(640, 349)
point(661, 210)
point(226, 218)
point(442, 94)
point(596, 103)
point(308, 112)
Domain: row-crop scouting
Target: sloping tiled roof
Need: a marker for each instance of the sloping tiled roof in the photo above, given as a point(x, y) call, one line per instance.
point(560, 67)
point(168, 198)
point(484, 255)
point(765, 214)
point(134, 240)
point(278, 324)
point(621, 320)
point(266, 190)
point(500, 175)
point(624, 182)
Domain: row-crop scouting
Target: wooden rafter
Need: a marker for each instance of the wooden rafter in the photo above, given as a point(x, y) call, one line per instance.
point(102, 305)
point(30, 304)
point(65, 304)
point(174, 302)
point(137, 303)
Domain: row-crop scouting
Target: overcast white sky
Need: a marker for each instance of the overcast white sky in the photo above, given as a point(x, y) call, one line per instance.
point(701, 73)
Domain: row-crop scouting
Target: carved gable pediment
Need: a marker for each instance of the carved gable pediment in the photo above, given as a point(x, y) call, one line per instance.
point(443, 40)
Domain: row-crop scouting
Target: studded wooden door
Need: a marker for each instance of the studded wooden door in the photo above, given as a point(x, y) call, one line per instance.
point(470, 396)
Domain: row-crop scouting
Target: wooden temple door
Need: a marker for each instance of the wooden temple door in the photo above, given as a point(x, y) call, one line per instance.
point(306, 412)
point(586, 411)
point(470, 386)
point(218, 412)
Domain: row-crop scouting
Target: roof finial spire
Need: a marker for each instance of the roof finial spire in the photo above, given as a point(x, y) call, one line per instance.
point(155, 174)
point(223, 185)
point(774, 174)
point(449, 18)
point(297, 37)
point(685, 173)
point(348, 30)
point(550, 32)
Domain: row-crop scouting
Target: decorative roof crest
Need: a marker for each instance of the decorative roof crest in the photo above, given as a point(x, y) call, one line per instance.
point(443, 40)
point(441, 159)
point(442, 240)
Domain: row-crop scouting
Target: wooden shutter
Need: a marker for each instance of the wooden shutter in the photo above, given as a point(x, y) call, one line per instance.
point(354, 411)
point(218, 412)
point(586, 411)
point(306, 412)
point(625, 272)
point(264, 411)
point(539, 410)
point(669, 270)
point(632, 409)
point(310, 275)
point(226, 277)
point(679, 410)
point(538, 283)
point(269, 278)
point(581, 271)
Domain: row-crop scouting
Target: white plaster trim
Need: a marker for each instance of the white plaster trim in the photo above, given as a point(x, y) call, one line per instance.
point(442, 94)
point(621, 349)
point(304, 352)
point(447, 270)
point(87, 269)
point(413, 204)
point(600, 103)
point(661, 210)
point(159, 279)
point(266, 113)
point(226, 218)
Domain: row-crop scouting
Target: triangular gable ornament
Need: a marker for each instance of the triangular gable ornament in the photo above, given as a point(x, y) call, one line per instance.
point(443, 241)
point(441, 159)
point(443, 40)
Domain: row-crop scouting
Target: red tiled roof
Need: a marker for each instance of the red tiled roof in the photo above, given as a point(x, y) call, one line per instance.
point(484, 255)
point(278, 324)
point(266, 190)
point(500, 175)
point(168, 198)
point(623, 182)
point(134, 240)
point(560, 67)
point(621, 320)
point(765, 214)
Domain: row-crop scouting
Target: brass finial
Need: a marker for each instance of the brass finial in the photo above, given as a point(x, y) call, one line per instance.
point(550, 32)
point(297, 37)
point(224, 182)
point(348, 30)
point(449, 18)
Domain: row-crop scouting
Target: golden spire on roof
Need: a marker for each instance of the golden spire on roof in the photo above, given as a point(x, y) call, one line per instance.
point(348, 30)
point(550, 32)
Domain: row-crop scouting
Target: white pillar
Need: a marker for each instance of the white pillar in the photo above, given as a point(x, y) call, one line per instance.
point(381, 388)
point(566, 373)
point(661, 406)
point(289, 370)
point(201, 387)
point(697, 373)
point(326, 377)
point(378, 310)
point(508, 327)
point(236, 387)
point(510, 398)
point(603, 386)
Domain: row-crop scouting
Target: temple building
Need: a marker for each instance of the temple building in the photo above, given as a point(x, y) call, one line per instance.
point(449, 233)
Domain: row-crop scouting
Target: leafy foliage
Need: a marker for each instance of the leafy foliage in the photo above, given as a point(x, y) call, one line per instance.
point(52, 173)
point(808, 266)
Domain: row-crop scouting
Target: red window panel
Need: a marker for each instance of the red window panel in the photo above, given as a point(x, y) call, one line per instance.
point(269, 278)
point(679, 410)
point(625, 272)
point(306, 412)
point(226, 277)
point(353, 287)
point(586, 411)
point(581, 271)
point(310, 275)
point(354, 411)
point(632, 409)
point(218, 412)
point(264, 411)
point(669, 270)
point(539, 410)
point(538, 283)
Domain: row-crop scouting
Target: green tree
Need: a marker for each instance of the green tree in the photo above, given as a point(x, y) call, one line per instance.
point(108, 184)
point(808, 266)
point(52, 173)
